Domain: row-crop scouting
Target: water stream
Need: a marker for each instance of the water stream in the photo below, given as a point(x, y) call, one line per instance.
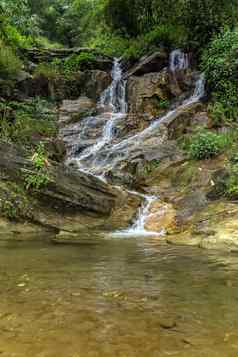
point(105, 154)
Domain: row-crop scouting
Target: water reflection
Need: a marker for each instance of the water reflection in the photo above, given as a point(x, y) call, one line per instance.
point(113, 297)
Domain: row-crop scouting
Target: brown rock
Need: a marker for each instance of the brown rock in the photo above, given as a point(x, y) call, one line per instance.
point(162, 216)
point(147, 64)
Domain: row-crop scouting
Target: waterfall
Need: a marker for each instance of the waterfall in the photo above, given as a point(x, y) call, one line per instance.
point(115, 95)
point(178, 60)
point(138, 227)
point(114, 98)
point(106, 154)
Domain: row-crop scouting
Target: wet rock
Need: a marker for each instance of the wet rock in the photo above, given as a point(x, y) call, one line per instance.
point(10, 230)
point(73, 111)
point(147, 64)
point(167, 323)
point(73, 201)
point(162, 216)
point(95, 82)
point(152, 94)
point(89, 83)
point(146, 93)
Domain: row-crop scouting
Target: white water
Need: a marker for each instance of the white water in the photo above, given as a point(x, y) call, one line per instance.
point(104, 153)
point(114, 99)
point(178, 60)
point(138, 228)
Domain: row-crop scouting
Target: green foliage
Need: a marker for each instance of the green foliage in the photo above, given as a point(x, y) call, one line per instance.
point(200, 19)
point(75, 62)
point(164, 104)
point(10, 64)
point(23, 123)
point(222, 114)
point(110, 44)
point(38, 178)
point(67, 67)
point(206, 144)
point(47, 70)
point(221, 66)
point(14, 203)
point(232, 182)
point(164, 35)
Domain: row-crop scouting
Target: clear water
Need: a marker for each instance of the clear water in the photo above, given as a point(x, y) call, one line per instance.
point(112, 297)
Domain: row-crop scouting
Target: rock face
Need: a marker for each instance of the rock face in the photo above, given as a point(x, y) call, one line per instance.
point(36, 55)
point(147, 64)
point(151, 94)
point(213, 228)
point(162, 216)
point(89, 83)
point(72, 201)
point(72, 111)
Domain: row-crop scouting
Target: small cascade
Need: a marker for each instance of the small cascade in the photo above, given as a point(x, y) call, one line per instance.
point(178, 61)
point(138, 227)
point(115, 95)
point(114, 99)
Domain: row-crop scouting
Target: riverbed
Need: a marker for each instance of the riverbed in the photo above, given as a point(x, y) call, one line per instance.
point(111, 297)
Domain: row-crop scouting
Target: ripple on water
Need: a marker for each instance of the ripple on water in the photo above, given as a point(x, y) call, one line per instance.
point(133, 297)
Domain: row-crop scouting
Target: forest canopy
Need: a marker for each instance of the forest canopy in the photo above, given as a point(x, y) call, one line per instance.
point(93, 23)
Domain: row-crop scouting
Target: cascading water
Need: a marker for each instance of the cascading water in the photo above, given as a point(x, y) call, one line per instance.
point(178, 60)
point(114, 100)
point(96, 159)
point(138, 228)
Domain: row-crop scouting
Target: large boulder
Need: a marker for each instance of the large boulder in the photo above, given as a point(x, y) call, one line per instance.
point(161, 217)
point(72, 111)
point(89, 83)
point(148, 64)
point(151, 94)
point(72, 201)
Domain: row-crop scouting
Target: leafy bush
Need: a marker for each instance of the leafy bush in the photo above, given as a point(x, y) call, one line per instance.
point(205, 145)
point(220, 65)
point(22, 122)
point(110, 44)
point(10, 64)
point(232, 182)
point(38, 178)
point(75, 62)
point(14, 203)
point(16, 39)
point(164, 35)
point(47, 70)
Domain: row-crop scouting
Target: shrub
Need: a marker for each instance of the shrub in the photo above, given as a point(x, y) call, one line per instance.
point(75, 62)
point(14, 204)
point(219, 62)
point(110, 44)
point(22, 122)
point(47, 70)
point(38, 178)
point(164, 35)
point(205, 145)
point(10, 64)
point(232, 182)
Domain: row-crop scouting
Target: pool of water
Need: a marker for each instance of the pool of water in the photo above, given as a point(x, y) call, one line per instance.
point(117, 298)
